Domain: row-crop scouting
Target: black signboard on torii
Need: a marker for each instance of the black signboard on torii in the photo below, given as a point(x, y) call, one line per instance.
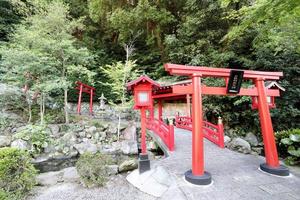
point(235, 81)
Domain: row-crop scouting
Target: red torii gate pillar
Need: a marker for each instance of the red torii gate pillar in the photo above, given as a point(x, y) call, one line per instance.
point(197, 170)
point(272, 164)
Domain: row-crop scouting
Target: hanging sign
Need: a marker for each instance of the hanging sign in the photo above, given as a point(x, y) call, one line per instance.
point(235, 81)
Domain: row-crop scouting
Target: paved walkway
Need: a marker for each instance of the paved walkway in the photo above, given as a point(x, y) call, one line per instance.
point(235, 175)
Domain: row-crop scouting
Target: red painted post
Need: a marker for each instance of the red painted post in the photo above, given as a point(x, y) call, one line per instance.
point(221, 132)
point(266, 125)
point(143, 130)
point(91, 102)
point(197, 132)
point(188, 105)
point(171, 136)
point(160, 110)
point(79, 100)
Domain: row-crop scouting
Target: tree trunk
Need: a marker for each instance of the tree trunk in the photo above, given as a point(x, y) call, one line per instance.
point(119, 125)
point(30, 113)
point(66, 106)
point(42, 109)
point(64, 75)
point(160, 45)
point(29, 107)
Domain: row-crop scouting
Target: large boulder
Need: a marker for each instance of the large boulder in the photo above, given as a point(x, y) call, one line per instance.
point(91, 130)
point(112, 169)
point(69, 138)
point(240, 145)
point(5, 141)
point(128, 165)
point(70, 174)
point(112, 148)
point(112, 129)
point(252, 139)
point(130, 132)
point(54, 130)
point(86, 146)
point(20, 144)
point(129, 147)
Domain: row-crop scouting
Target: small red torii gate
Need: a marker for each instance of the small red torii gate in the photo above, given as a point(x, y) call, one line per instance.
point(194, 89)
point(83, 88)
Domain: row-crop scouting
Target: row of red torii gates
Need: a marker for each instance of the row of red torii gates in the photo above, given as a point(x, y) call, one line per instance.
point(148, 92)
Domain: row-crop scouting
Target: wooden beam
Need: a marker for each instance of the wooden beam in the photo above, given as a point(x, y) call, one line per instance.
point(175, 69)
point(180, 90)
point(78, 83)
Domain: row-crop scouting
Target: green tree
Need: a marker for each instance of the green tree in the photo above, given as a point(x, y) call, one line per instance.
point(43, 53)
point(119, 74)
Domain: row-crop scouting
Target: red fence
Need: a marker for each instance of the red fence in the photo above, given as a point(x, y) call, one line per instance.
point(212, 132)
point(164, 131)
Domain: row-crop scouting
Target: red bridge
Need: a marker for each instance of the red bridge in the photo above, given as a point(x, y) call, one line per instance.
point(212, 132)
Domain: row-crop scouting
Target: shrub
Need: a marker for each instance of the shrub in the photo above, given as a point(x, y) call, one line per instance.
point(92, 168)
point(54, 116)
point(289, 145)
point(17, 174)
point(37, 135)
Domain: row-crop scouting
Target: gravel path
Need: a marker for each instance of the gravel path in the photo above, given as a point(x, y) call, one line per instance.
point(117, 188)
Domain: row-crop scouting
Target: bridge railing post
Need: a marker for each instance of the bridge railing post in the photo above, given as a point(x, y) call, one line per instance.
point(221, 132)
point(171, 135)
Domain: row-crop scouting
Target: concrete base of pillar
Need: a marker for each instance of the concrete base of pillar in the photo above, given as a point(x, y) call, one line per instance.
point(281, 170)
point(144, 163)
point(204, 179)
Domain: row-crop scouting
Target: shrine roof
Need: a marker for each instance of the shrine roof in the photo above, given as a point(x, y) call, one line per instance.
point(143, 78)
point(272, 84)
point(167, 87)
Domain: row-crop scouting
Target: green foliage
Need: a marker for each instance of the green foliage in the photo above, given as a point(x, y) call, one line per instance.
point(4, 122)
point(92, 168)
point(11, 13)
point(276, 23)
point(12, 98)
point(37, 136)
point(54, 116)
point(119, 74)
point(17, 174)
point(42, 53)
point(289, 145)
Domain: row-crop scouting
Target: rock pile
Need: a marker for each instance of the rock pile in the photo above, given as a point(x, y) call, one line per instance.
point(69, 141)
point(248, 144)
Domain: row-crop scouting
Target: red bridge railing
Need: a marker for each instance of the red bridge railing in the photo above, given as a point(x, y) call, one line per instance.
point(212, 132)
point(164, 131)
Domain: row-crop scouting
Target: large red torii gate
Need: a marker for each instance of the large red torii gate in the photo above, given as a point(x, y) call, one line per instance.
point(197, 175)
point(147, 90)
